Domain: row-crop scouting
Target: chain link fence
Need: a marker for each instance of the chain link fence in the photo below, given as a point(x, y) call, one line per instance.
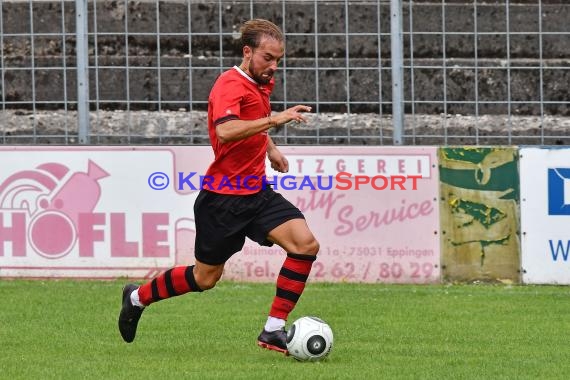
point(375, 72)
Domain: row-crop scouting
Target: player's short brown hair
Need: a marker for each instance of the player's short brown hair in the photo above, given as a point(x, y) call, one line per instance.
point(253, 30)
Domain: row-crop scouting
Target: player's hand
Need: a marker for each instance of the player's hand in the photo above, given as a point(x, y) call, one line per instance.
point(294, 113)
point(278, 161)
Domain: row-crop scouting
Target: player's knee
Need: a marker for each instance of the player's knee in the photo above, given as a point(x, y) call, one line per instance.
point(310, 247)
point(206, 282)
point(315, 247)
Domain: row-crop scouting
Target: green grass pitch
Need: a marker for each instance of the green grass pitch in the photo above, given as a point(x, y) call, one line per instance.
point(68, 330)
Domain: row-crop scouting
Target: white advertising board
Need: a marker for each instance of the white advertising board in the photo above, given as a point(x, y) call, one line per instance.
point(107, 212)
point(545, 215)
point(90, 212)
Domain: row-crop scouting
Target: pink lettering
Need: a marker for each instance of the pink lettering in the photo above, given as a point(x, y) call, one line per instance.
point(120, 247)
point(345, 226)
point(87, 234)
point(15, 234)
point(362, 223)
point(413, 210)
point(320, 162)
point(152, 235)
point(325, 201)
point(254, 270)
point(53, 235)
point(381, 166)
point(401, 166)
point(373, 219)
point(426, 208)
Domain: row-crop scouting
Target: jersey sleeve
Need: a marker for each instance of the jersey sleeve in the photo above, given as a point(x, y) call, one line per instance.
point(225, 100)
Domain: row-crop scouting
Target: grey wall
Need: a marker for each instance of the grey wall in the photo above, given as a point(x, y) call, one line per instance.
point(523, 48)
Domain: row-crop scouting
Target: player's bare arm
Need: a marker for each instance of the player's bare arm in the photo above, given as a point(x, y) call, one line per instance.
point(278, 160)
point(234, 130)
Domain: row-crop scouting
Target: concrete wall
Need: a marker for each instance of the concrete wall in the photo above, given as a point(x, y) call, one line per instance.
point(428, 50)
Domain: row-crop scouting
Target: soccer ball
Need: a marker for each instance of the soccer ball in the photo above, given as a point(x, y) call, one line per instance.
point(309, 339)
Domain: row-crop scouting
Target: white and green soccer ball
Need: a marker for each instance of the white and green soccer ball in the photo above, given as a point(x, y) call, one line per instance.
point(309, 339)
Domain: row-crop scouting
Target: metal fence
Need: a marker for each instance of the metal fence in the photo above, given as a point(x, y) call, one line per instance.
point(375, 72)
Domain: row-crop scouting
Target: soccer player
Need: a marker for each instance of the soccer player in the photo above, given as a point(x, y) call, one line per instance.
point(231, 208)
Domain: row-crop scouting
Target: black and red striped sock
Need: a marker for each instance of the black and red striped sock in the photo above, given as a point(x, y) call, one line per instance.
point(291, 283)
point(174, 282)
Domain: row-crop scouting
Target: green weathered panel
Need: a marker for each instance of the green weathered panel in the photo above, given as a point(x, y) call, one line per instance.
point(480, 225)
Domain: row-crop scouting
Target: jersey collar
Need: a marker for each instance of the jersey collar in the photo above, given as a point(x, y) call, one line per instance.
point(245, 75)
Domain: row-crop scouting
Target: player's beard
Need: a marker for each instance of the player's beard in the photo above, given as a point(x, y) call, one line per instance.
point(259, 77)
